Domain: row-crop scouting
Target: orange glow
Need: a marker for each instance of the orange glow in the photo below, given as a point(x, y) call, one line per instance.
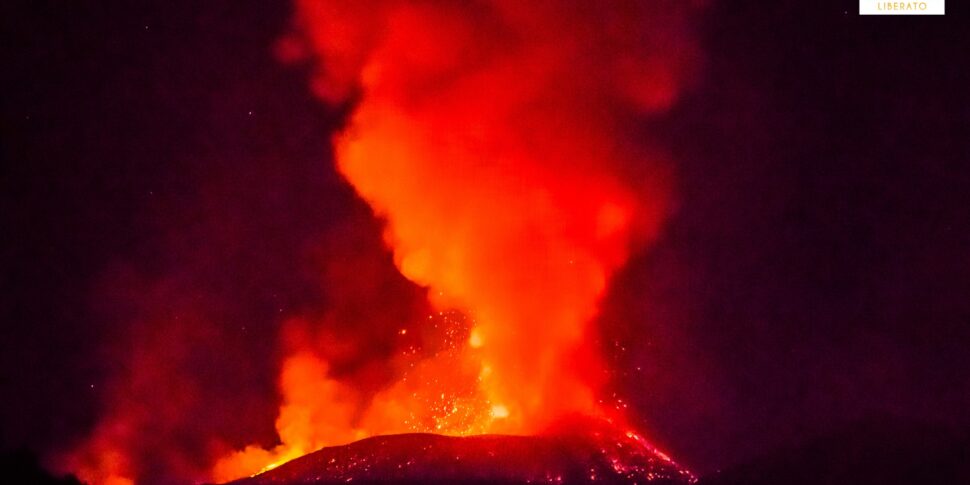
point(103, 464)
point(487, 136)
point(314, 414)
point(500, 142)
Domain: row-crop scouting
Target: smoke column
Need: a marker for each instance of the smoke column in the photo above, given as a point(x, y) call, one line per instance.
point(497, 141)
point(502, 145)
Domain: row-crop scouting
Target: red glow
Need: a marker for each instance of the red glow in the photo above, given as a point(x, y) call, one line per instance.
point(497, 141)
point(487, 137)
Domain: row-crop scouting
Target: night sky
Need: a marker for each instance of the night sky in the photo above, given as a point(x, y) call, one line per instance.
point(159, 163)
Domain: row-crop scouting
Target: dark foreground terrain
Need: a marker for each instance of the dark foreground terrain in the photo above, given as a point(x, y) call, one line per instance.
point(875, 451)
point(884, 452)
point(584, 453)
point(20, 467)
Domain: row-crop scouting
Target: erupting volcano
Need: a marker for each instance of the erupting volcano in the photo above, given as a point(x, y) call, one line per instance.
point(501, 143)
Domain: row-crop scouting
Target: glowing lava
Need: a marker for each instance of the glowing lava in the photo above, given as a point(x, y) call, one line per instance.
point(593, 452)
point(499, 140)
point(491, 136)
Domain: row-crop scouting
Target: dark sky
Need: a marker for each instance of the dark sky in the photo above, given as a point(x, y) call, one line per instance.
point(159, 163)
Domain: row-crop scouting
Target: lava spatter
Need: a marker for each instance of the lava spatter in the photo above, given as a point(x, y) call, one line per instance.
point(583, 451)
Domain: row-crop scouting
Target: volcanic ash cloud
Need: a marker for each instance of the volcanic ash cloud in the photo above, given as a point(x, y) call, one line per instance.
point(500, 143)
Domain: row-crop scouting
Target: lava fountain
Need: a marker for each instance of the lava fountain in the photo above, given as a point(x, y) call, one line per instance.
point(492, 137)
point(502, 144)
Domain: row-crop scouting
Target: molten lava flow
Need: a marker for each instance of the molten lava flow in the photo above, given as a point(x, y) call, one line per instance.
point(494, 137)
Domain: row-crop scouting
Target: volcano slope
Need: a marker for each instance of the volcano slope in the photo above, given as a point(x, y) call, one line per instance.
point(598, 454)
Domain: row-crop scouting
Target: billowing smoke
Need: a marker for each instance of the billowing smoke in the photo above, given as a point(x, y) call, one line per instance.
point(498, 141)
point(502, 144)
